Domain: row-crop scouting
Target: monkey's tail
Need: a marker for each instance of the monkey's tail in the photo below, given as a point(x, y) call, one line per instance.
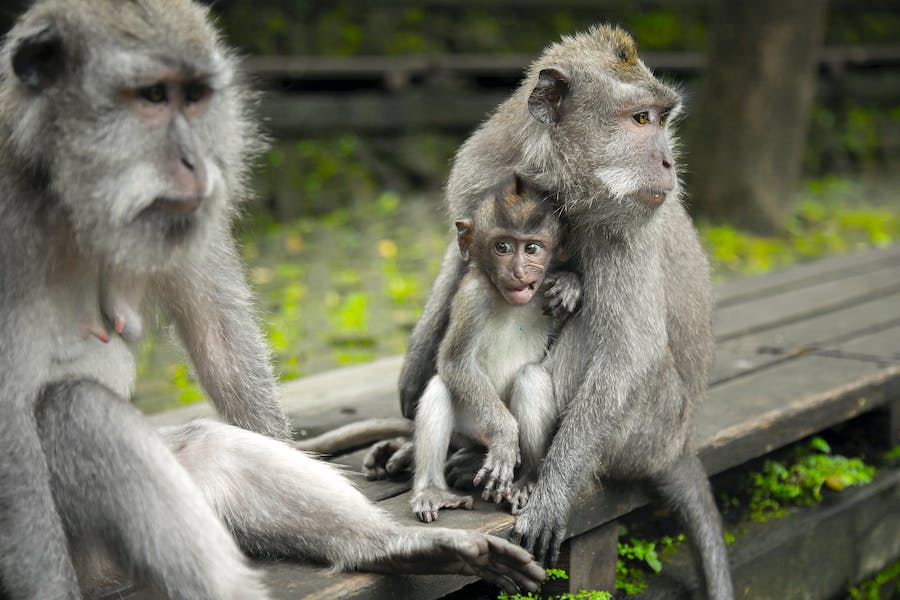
point(686, 488)
point(356, 435)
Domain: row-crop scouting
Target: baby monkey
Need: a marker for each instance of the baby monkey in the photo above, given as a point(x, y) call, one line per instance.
point(490, 389)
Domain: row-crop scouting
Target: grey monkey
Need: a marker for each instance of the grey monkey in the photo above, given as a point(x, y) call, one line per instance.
point(591, 123)
point(490, 387)
point(125, 141)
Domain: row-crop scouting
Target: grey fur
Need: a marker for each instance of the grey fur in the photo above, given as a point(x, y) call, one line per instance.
point(124, 146)
point(632, 365)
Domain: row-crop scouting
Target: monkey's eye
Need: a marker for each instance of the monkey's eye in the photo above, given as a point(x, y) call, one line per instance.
point(155, 94)
point(195, 92)
point(533, 249)
point(663, 117)
point(641, 118)
point(503, 247)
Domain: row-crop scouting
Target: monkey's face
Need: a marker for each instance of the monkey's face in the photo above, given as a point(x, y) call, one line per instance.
point(141, 141)
point(608, 123)
point(515, 264)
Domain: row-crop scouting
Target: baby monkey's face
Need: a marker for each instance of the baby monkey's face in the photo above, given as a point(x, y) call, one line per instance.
point(516, 264)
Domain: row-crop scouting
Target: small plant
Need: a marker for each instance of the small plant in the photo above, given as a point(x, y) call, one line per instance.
point(634, 556)
point(800, 484)
point(887, 580)
point(556, 575)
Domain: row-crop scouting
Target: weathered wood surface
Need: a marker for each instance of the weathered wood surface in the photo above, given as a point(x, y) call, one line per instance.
point(798, 351)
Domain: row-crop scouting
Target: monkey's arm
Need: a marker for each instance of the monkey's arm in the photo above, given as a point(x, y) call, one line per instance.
point(595, 422)
point(34, 562)
point(422, 348)
point(479, 408)
point(337, 524)
point(210, 303)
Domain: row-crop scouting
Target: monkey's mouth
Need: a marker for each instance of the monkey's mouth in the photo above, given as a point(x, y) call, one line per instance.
point(651, 197)
point(520, 295)
point(178, 207)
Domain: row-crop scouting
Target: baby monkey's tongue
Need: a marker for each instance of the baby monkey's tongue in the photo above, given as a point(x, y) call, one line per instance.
point(520, 295)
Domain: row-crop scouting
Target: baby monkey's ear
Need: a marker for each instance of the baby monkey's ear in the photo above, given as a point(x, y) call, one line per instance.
point(464, 237)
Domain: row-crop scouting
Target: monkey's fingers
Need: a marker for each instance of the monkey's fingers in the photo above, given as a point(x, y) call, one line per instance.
point(515, 563)
point(402, 459)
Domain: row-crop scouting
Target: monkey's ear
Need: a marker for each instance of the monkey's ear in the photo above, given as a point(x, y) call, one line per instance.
point(37, 58)
point(464, 237)
point(545, 102)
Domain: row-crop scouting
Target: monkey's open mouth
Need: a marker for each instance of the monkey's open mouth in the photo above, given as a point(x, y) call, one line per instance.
point(180, 207)
point(652, 197)
point(520, 295)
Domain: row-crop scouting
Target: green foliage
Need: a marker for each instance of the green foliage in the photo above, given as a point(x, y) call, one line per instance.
point(554, 575)
point(826, 220)
point(779, 485)
point(635, 557)
point(887, 580)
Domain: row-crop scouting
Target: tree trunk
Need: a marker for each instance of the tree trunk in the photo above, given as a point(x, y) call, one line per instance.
point(748, 129)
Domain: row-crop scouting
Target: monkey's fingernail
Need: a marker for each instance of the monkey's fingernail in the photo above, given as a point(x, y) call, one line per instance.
point(119, 324)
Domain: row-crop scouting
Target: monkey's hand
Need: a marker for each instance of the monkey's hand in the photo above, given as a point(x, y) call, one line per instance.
point(521, 491)
point(498, 468)
point(461, 467)
point(463, 552)
point(426, 503)
point(388, 458)
point(541, 526)
point(564, 294)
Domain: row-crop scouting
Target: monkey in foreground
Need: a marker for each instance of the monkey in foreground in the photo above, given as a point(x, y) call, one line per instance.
point(489, 385)
point(125, 140)
point(592, 124)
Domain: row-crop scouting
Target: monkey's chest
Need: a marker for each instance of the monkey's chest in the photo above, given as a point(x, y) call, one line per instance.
point(513, 339)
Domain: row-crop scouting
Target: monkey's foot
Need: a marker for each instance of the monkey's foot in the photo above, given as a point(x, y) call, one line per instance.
point(428, 502)
point(462, 552)
point(462, 466)
point(518, 496)
point(388, 457)
point(498, 468)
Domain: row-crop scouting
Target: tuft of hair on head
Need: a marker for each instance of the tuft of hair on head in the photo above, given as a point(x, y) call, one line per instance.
point(517, 205)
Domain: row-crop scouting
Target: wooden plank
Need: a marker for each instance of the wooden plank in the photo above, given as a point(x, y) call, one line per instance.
point(757, 350)
point(779, 309)
point(749, 416)
point(804, 274)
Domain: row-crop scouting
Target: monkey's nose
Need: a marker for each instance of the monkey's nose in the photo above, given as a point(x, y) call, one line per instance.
point(667, 164)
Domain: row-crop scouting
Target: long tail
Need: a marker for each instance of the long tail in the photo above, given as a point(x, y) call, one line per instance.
point(686, 488)
point(356, 435)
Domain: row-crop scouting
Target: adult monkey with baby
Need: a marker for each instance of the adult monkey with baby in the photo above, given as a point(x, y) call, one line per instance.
point(124, 145)
point(591, 123)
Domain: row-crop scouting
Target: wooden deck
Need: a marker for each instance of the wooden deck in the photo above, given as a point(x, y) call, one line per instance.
point(798, 351)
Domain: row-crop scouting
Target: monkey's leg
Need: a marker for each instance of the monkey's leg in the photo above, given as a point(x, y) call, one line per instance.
point(34, 556)
point(435, 420)
point(281, 502)
point(533, 404)
point(686, 488)
point(113, 478)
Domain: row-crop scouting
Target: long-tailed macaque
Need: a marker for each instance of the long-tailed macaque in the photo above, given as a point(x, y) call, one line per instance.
point(592, 124)
point(490, 387)
point(125, 141)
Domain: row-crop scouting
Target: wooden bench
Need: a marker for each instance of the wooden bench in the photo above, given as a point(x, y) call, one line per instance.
point(798, 351)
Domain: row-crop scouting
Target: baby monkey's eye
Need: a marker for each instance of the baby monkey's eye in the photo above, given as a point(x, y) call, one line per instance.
point(533, 249)
point(503, 247)
point(641, 118)
point(155, 94)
